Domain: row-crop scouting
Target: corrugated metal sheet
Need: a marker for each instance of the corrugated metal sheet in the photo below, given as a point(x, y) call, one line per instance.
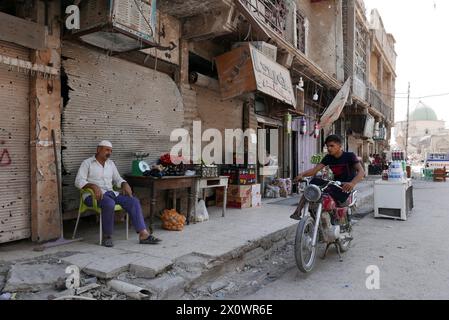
point(134, 107)
point(307, 144)
point(15, 214)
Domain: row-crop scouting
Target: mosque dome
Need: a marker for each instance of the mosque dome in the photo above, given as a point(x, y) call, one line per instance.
point(423, 113)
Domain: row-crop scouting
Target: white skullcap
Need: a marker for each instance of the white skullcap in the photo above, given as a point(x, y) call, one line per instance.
point(105, 143)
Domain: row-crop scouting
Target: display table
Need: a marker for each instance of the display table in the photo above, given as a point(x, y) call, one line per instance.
point(218, 182)
point(165, 183)
point(393, 199)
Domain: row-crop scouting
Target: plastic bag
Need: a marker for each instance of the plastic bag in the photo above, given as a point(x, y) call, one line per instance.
point(272, 191)
point(173, 221)
point(282, 184)
point(201, 212)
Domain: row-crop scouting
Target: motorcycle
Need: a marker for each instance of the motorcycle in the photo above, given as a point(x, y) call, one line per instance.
point(322, 220)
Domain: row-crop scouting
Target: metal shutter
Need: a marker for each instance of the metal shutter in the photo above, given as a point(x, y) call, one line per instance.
point(134, 107)
point(15, 215)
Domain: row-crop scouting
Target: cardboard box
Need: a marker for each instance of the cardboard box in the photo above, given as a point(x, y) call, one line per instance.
point(255, 190)
point(239, 202)
point(235, 202)
point(256, 201)
point(239, 191)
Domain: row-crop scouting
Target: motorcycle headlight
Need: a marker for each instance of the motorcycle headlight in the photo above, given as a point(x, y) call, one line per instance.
point(312, 193)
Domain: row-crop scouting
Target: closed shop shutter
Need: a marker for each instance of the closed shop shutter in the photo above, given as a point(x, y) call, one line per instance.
point(15, 215)
point(134, 107)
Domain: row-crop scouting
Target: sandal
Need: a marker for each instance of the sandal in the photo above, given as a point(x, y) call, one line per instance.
point(107, 242)
point(150, 240)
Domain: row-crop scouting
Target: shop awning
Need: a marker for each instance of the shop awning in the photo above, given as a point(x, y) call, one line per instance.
point(245, 69)
point(334, 110)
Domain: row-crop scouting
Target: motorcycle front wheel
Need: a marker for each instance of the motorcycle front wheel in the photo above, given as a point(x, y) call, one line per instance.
point(305, 253)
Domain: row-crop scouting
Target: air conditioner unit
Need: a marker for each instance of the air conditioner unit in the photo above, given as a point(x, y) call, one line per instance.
point(117, 25)
point(368, 131)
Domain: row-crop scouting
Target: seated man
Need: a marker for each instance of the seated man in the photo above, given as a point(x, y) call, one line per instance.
point(99, 173)
point(345, 166)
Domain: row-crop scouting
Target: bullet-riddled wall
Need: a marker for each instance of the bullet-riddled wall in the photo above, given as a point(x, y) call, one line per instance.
point(134, 107)
point(324, 40)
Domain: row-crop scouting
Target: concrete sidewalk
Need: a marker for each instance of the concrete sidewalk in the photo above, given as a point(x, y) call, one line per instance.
point(183, 259)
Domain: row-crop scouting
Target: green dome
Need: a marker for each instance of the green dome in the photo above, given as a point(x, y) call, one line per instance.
point(423, 113)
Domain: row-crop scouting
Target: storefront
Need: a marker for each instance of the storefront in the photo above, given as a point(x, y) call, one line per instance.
point(255, 76)
point(134, 107)
point(15, 188)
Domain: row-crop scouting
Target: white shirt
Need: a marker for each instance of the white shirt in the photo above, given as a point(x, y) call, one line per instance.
point(91, 171)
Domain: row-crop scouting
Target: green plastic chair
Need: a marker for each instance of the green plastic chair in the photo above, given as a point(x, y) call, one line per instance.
point(84, 207)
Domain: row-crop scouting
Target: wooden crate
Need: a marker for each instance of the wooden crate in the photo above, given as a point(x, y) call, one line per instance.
point(439, 175)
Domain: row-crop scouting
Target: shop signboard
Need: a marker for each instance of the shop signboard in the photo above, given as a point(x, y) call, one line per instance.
point(246, 69)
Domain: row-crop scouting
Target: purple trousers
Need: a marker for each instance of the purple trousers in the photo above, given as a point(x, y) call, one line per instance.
point(129, 204)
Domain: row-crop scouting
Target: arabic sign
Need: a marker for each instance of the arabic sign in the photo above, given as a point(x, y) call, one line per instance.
point(246, 69)
point(272, 78)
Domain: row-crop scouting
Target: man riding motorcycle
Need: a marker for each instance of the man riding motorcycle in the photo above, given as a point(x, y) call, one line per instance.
point(345, 166)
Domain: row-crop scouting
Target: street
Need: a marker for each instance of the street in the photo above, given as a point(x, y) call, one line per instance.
point(411, 257)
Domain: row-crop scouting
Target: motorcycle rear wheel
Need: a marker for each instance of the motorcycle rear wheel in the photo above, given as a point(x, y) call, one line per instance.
point(305, 253)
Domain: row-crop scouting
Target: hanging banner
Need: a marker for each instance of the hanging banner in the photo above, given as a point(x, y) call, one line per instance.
point(336, 107)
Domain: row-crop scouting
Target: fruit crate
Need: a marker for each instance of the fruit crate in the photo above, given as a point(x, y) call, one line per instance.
point(240, 176)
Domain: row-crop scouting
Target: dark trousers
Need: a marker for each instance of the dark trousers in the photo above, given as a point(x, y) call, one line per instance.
point(336, 193)
point(130, 204)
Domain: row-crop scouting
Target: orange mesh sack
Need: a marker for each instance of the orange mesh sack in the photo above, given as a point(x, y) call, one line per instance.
point(173, 221)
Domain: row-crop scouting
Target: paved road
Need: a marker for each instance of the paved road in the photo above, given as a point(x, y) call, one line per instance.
point(412, 257)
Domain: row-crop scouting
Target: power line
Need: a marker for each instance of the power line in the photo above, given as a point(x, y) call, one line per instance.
point(424, 97)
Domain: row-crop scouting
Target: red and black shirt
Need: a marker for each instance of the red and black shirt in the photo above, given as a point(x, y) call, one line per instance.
point(343, 167)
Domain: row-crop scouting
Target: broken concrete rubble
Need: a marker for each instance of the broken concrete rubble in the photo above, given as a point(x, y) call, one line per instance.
point(29, 277)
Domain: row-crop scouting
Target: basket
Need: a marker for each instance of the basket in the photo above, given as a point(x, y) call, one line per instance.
point(210, 171)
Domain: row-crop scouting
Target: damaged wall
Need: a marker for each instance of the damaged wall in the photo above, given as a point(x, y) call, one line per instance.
point(167, 35)
point(15, 215)
point(213, 112)
point(134, 107)
point(325, 36)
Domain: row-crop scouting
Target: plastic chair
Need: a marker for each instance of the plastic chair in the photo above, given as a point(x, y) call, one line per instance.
point(84, 207)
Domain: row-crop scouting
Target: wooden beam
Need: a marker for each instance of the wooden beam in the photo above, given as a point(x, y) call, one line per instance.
point(25, 33)
point(45, 115)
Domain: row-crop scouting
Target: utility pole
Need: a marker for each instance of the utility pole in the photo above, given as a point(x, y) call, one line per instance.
point(408, 122)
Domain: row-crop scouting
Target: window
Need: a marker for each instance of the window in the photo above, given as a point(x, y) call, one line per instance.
point(300, 32)
point(360, 51)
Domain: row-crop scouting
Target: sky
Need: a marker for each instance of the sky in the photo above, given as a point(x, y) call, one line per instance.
point(420, 28)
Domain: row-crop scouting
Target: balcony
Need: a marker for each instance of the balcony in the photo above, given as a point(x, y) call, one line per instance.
point(386, 41)
point(272, 13)
point(377, 103)
point(387, 45)
point(188, 8)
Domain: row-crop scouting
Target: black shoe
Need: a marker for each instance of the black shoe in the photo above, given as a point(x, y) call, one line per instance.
point(295, 216)
point(107, 242)
point(150, 240)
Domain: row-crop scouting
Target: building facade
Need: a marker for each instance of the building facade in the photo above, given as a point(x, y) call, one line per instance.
point(155, 67)
point(370, 59)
